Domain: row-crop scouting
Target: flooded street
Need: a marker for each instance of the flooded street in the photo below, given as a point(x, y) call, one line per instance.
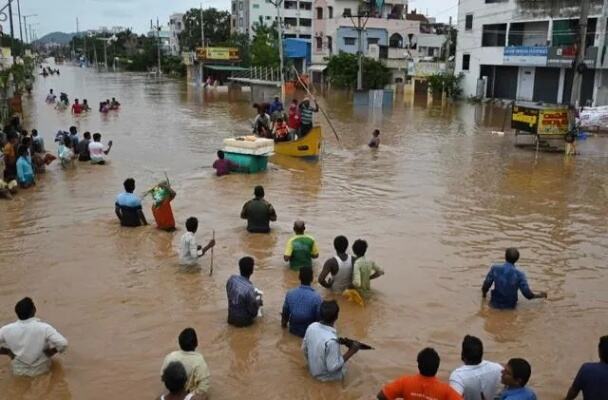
point(438, 203)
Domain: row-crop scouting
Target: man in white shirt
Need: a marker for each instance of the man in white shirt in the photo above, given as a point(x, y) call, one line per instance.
point(189, 250)
point(29, 342)
point(321, 347)
point(96, 150)
point(476, 378)
point(193, 362)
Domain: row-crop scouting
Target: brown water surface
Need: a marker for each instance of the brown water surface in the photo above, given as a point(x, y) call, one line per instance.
point(438, 203)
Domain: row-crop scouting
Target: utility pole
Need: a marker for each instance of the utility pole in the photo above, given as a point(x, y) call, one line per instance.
point(278, 4)
point(359, 26)
point(579, 62)
point(28, 38)
point(10, 18)
point(200, 64)
point(159, 72)
point(449, 42)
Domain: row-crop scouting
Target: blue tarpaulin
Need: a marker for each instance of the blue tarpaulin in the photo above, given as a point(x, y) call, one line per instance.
point(297, 48)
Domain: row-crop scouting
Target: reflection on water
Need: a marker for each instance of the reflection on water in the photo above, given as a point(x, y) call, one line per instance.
point(438, 203)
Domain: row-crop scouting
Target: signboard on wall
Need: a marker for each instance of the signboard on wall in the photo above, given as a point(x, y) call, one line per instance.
point(564, 56)
point(218, 53)
point(525, 55)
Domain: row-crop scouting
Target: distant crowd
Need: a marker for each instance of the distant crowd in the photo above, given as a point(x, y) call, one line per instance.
point(24, 156)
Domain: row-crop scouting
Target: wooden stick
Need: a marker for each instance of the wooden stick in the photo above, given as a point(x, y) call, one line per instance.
point(211, 267)
point(320, 108)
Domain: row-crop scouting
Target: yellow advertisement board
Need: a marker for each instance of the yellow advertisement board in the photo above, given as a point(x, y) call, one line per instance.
point(553, 122)
point(218, 53)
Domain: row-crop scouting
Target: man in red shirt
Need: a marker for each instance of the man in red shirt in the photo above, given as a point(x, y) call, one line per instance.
point(76, 107)
point(422, 386)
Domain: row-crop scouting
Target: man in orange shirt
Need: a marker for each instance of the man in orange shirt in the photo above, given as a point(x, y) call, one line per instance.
point(422, 386)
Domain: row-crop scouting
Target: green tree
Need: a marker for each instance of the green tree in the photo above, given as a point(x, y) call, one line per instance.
point(217, 28)
point(264, 47)
point(342, 70)
point(240, 41)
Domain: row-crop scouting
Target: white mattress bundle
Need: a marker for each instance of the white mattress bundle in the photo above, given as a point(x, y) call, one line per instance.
point(251, 145)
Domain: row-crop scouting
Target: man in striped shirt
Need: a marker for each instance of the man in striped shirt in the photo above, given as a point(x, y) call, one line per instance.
point(306, 111)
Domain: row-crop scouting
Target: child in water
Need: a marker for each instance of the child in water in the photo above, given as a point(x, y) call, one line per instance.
point(375, 142)
point(66, 155)
point(189, 250)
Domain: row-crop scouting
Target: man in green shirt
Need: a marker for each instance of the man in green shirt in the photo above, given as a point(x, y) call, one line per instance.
point(258, 212)
point(364, 270)
point(301, 248)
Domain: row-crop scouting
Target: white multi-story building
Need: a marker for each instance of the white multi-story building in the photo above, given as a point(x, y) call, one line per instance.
point(523, 50)
point(176, 26)
point(296, 15)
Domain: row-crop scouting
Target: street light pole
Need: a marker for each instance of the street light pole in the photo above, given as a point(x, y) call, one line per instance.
point(20, 29)
point(278, 4)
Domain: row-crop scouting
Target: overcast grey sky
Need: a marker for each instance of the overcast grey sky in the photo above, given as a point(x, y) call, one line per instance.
point(60, 15)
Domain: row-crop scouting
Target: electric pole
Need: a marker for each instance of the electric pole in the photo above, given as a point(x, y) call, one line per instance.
point(359, 26)
point(200, 64)
point(579, 63)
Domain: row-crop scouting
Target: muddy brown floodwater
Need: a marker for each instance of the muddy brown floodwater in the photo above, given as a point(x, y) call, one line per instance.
point(438, 203)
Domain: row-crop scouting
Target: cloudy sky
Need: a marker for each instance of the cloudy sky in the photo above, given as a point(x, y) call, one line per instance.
point(60, 15)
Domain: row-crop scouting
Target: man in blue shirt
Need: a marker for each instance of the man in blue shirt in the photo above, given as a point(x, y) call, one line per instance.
point(507, 280)
point(515, 376)
point(592, 378)
point(301, 306)
point(128, 206)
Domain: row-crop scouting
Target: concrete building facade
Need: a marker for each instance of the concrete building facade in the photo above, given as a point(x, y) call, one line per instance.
point(392, 34)
point(296, 15)
point(522, 50)
point(176, 26)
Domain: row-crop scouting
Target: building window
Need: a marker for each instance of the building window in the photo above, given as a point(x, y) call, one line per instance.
point(319, 43)
point(330, 11)
point(494, 35)
point(349, 41)
point(346, 12)
point(240, 6)
point(466, 60)
point(256, 6)
point(468, 22)
point(305, 6)
point(305, 22)
point(241, 22)
point(330, 45)
point(268, 17)
point(372, 41)
point(234, 7)
point(304, 36)
point(319, 12)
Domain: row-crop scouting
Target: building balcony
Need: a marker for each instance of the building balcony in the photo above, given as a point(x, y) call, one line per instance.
point(392, 25)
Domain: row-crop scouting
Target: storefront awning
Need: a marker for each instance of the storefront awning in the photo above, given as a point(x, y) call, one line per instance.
point(317, 68)
point(225, 68)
